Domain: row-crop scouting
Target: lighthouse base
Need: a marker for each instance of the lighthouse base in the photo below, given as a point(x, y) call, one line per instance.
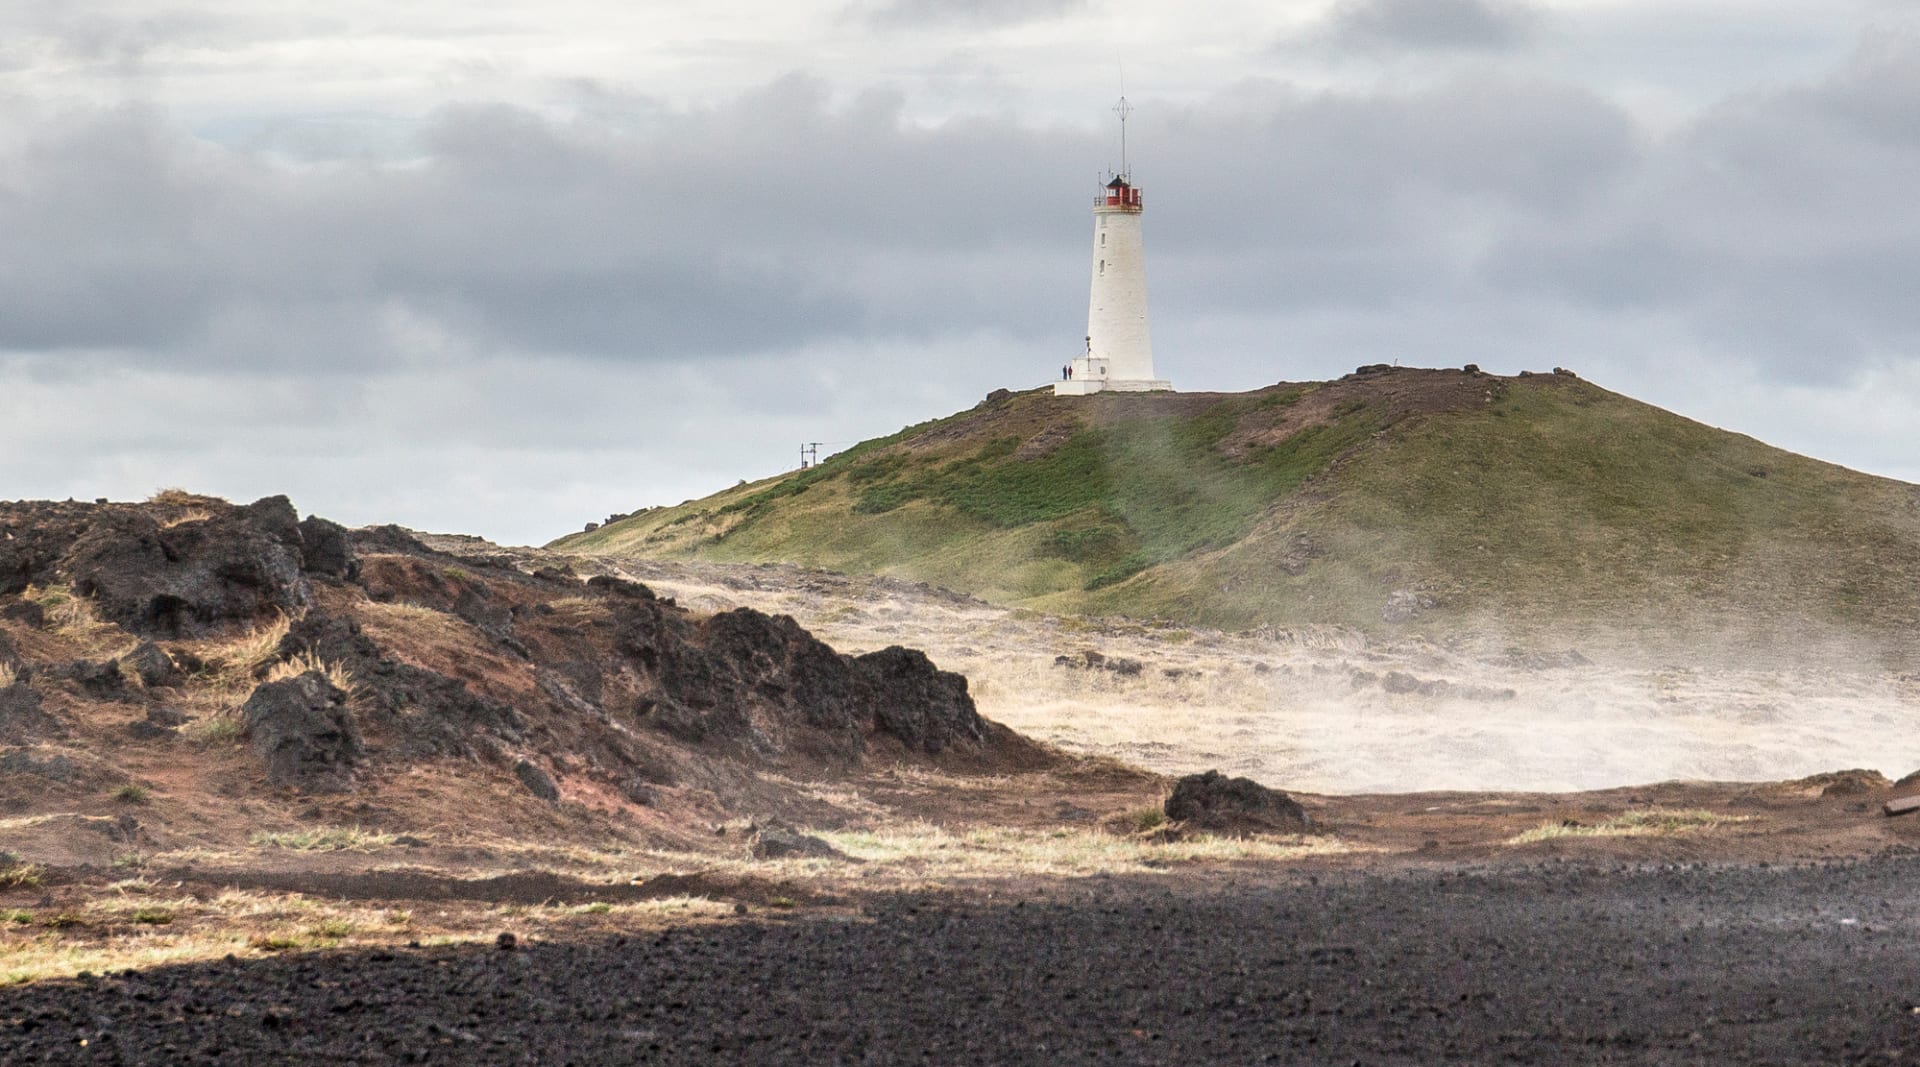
point(1085, 387)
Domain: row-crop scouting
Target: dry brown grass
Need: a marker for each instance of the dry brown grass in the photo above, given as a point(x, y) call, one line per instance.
point(73, 616)
point(141, 924)
point(326, 839)
point(190, 515)
point(251, 653)
point(1651, 822)
point(307, 662)
point(924, 854)
point(410, 625)
point(175, 497)
point(8, 675)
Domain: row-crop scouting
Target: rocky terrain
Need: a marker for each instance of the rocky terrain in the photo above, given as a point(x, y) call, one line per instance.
point(272, 789)
point(208, 658)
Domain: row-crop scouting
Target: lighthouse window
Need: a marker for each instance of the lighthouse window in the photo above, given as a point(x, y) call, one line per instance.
point(1103, 240)
point(1103, 266)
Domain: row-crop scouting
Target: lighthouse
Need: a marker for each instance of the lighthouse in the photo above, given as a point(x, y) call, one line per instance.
point(1119, 349)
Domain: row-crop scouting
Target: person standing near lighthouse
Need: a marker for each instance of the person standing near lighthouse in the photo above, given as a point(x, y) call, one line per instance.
point(1119, 354)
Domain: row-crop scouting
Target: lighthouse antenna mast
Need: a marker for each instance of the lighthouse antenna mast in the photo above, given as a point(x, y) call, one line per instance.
point(1123, 109)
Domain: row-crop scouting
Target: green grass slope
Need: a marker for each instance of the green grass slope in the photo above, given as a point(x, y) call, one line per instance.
point(1471, 499)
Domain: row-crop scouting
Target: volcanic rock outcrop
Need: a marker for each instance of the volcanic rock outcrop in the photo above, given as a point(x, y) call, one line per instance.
point(343, 656)
point(1216, 803)
point(165, 570)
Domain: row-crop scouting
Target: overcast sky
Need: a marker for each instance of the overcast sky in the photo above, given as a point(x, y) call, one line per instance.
point(505, 268)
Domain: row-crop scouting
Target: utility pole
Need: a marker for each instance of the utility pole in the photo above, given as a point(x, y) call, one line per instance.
point(810, 454)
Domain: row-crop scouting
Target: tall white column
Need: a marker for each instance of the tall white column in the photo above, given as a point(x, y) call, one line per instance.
point(1119, 345)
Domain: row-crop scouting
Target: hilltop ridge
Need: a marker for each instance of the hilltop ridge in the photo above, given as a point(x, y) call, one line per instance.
point(1422, 500)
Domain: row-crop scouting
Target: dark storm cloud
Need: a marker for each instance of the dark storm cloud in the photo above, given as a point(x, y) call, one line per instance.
point(903, 14)
point(767, 223)
point(1427, 25)
point(1779, 227)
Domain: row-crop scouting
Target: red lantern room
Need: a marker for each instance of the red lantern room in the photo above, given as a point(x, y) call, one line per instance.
point(1119, 195)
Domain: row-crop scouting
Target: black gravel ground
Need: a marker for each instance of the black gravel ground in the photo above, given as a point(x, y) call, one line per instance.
point(1555, 964)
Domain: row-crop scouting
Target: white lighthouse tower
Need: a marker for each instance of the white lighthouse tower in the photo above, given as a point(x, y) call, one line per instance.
point(1119, 351)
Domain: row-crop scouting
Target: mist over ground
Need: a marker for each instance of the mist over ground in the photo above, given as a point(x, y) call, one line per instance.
point(1326, 709)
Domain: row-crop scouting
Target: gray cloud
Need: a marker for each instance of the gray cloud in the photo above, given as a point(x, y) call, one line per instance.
point(1428, 25)
point(1777, 226)
point(521, 314)
point(769, 222)
point(902, 14)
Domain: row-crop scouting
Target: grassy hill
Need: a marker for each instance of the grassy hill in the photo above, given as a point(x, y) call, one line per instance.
point(1433, 499)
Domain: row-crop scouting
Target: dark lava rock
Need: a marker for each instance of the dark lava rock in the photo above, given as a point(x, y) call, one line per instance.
point(488, 615)
point(1506, 965)
point(25, 611)
point(435, 714)
point(151, 664)
point(619, 587)
point(326, 549)
point(1400, 682)
point(102, 681)
point(378, 540)
point(1214, 802)
point(765, 684)
point(52, 768)
point(304, 731)
point(1096, 661)
point(21, 717)
point(783, 842)
point(924, 707)
point(236, 564)
point(537, 781)
point(147, 730)
point(639, 792)
point(160, 716)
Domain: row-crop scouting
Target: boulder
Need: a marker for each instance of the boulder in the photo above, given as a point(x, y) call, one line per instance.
point(102, 681)
point(1219, 804)
point(304, 732)
point(56, 768)
point(26, 612)
point(537, 781)
point(1097, 661)
point(325, 549)
point(778, 842)
point(20, 716)
point(1405, 605)
point(377, 540)
point(1402, 682)
point(924, 707)
point(608, 585)
point(236, 566)
point(151, 664)
point(145, 730)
